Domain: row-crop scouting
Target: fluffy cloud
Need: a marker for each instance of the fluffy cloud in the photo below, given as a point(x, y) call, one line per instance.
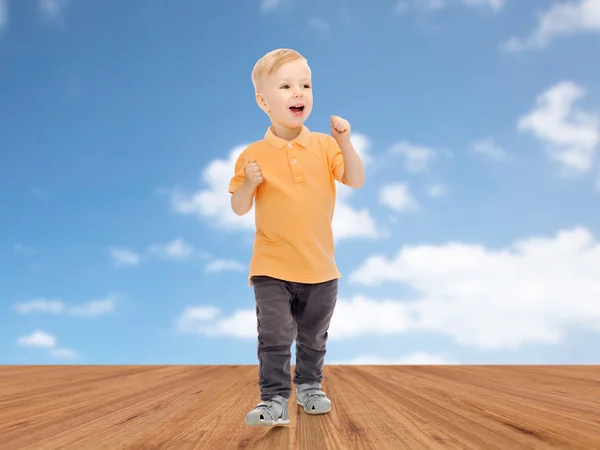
point(418, 358)
point(222, 265)
point(361, 316)
point(571, 135)
point(175, 250)
point(124, 257)
point(88, 309)
point(210, 321)
point(38, 339)
point(355, 317)
point(268, 5)
point(416, 157)
point(213, 203)
point(41, 339)
point(437, 5)
point(397, 197)
point(495, 5)
point(51, 9)
point(488, 147)
point(531, 292)
point(559, 20)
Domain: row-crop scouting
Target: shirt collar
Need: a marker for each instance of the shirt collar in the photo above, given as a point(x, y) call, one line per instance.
point(302, 139)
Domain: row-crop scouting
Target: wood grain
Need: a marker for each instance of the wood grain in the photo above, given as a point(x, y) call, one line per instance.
point(374, 407)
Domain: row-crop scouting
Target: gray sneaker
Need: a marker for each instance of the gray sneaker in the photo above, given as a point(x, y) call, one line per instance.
point(312, 398)
point(271, 412)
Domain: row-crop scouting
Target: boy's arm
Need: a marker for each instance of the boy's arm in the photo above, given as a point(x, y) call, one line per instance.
point(244, 183)
point(241, 199)
point(354, 170)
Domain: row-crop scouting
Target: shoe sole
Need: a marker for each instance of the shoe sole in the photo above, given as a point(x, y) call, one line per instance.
point(268, 423)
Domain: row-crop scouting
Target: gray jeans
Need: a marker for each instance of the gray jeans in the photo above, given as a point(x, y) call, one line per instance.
point(285, 312)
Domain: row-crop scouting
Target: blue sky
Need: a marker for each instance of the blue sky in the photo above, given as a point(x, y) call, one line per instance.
point(474, 240)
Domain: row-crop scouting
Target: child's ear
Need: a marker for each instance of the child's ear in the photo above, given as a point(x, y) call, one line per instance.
point(261, 102)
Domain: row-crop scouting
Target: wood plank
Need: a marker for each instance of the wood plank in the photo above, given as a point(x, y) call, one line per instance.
point(374, 407)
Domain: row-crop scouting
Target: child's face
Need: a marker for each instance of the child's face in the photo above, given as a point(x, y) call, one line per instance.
point(286, 96)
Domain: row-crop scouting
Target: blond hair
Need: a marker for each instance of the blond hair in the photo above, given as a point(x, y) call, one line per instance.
point(271, 62)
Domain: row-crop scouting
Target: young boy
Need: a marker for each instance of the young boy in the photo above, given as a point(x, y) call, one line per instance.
point(290, 175)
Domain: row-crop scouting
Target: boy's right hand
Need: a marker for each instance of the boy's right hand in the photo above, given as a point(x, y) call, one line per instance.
point(253, 173)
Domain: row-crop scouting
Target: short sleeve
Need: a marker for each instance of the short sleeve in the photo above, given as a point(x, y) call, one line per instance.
point(336, 159)
point(238, 177)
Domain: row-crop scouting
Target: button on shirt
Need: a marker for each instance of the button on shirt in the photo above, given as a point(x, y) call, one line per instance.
point(294, 205)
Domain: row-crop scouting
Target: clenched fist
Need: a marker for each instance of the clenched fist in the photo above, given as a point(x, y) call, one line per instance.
point(340, 128)
point(253, 173)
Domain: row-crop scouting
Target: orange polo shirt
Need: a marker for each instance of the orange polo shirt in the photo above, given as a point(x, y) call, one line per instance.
point(294, 206)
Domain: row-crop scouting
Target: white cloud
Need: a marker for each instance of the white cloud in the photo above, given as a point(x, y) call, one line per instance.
point(3, 14)
point(531, 292)
point(319, 24)
point(93, 308)
point(571, 135)
point(41, 339)
point(209, 321)
point(363, 316)
point(51, 9)
point(124, 257)
point(397, 197)
point(213, 203)
point(437, 5)
point(88, 309)
point(221, 265)
point(418, 358)
point(559, 20)
point(495, 5)
point(352, 318)
point(488, 147)
point(416, 157)
point(427, 5)
point(40, 305)
point(349, 223)
point(175, 250)
point(268, 5)
point(437, 190)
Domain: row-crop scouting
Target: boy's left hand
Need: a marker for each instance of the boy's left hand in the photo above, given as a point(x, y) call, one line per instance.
point(340, 128)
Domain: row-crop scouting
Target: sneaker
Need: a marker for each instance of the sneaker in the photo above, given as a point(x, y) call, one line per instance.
point(312, 398)
point(271, 412)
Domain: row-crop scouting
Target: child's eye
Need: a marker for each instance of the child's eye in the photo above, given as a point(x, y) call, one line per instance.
point(285, 86)
point(307, 86)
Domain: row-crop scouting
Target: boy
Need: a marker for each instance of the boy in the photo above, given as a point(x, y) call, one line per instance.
point(290, 175)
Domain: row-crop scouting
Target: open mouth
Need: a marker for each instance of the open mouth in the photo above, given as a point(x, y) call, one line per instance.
point(297, 109)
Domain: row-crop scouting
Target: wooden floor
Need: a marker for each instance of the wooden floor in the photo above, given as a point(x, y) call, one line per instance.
point(374, 407)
